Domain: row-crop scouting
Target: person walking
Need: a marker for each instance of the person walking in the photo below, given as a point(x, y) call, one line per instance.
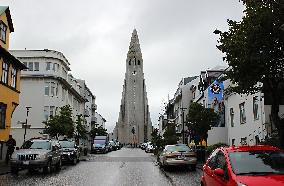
point(11, 143)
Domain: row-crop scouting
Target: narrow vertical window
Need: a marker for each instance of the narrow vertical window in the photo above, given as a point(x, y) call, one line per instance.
point(25, 63)
point(255, 108)
point(3, 31)
point(5, 72)
point(242, 113)
point(52, 111)
point(52, 89)
point(36, 65)
point(138, 62)
point(232, 114)
point(48, 66)
point(46, 88)
point(31, 66)
point(3, 108)
point(14, 77)
point(46, 112)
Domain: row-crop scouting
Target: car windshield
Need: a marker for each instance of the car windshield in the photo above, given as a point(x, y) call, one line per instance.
point(37, 145)
point(67, 144)
point(257, 162)
point(101, 142)
point(178, 148)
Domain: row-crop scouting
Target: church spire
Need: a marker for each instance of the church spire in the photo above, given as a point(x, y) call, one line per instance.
point(134, 47)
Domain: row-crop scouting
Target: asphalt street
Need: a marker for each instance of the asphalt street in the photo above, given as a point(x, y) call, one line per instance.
point(125, 167)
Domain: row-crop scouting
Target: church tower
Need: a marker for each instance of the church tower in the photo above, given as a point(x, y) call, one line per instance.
point(134, 123)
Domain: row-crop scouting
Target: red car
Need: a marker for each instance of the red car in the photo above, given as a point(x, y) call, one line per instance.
point(244, 166)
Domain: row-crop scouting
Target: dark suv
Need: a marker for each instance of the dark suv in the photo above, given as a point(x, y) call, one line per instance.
point(37, 153)
point(71, 152)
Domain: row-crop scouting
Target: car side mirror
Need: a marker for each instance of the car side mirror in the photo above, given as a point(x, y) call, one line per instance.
point(219, 172)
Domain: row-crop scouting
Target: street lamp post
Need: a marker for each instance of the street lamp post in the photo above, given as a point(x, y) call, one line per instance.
point(183, 132)
point(26, 124)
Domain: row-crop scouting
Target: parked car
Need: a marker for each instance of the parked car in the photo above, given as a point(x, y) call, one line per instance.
point(112, 145)
point(35, 154)
point(244, 165)
point(100, 144)
point(71, 152)
point(149, 148)
point(143, 146)
point(118, 145)
point(177, 155)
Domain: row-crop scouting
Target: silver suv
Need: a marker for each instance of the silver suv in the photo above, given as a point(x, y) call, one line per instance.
point(37, 154)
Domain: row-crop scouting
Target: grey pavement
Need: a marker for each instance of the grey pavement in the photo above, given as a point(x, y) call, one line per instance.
point(4, 169)
point(126, 167)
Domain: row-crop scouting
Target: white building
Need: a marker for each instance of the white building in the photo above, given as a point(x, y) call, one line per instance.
point(45, 87)
point(99, 121)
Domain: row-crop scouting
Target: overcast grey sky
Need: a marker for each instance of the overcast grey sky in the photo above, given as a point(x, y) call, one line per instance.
point(176, 38)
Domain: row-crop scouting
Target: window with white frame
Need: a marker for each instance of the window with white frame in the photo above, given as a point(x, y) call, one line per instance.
point(255, 108)
point(232, 114)
point(50, 88)
point(5, 72)
point(46, 112)
point(48, 66)
point(14, 77)
point(242, 113)
point(31, 66)
point(36, 66)
point(3, 31)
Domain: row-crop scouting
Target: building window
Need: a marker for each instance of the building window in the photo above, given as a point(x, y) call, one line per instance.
point(5, 72)
point(48, 66)
point(25, 63)
point(255, 108)
point(46, 89)
point(36, 65)
point(233, 142)
point(31, 66)
point(3, 30)
point(242, 113)
point(52, 111)
point(3, 108)
point(50, 88)
point(232, 114)
point(138, 62)
point(244, 141)
point(46, 112)
point(14, 77)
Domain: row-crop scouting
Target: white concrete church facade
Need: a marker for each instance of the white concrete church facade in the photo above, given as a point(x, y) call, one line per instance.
point(134, 124)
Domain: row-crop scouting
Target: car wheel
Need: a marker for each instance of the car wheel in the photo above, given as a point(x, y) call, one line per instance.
point(47, 168)
point(14, 170)
point(193, 167)
point(74, 160)
point(59, 165)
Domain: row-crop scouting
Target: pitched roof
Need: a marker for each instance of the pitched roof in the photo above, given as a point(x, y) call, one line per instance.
point(9, 18)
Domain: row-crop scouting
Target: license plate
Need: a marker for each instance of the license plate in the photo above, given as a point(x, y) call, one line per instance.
point(26, 162)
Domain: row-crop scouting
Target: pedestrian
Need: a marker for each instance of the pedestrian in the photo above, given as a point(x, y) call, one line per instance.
point(11, 143)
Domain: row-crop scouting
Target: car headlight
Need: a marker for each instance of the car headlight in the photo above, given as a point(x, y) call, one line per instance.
point(14, 156)
point(41, 156)
point(241, 184)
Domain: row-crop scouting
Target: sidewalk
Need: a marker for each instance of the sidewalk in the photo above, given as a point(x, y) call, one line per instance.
point(4, 169)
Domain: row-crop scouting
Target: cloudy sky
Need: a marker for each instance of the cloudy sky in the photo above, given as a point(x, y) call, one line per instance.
point(176, 38)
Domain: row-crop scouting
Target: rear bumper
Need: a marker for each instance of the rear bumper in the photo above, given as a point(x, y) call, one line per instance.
point(176, 162)
point(28, 164)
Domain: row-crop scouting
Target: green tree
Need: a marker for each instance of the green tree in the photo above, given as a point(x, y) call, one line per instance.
point(200, 119)
point(100, 131)
point(81, 131)
point(157, 141)
point(170, 136)
point(60, 124)
point(253, 50)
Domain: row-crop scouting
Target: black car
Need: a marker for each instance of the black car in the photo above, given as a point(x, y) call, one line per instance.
point(113, 145)
point(71, 152)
